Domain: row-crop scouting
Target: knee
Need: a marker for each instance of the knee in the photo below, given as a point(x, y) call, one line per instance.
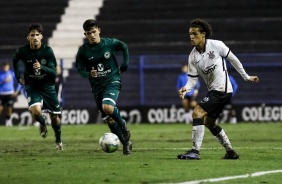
point(36, 114)
point(55, 120)
point(108, 109)
point(198, 112)
point(210, 123)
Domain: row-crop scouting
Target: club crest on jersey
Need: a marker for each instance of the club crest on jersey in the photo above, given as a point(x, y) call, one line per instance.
point(43, 61)
point(206, 99)
point(211, 55)
point(100, 67)
point(107, 55)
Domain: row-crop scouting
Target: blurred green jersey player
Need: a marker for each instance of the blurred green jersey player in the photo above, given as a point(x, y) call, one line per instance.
point(39, 80)
point(96, 61)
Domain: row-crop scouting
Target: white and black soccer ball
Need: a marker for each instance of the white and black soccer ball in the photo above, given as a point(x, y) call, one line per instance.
point(109, 142)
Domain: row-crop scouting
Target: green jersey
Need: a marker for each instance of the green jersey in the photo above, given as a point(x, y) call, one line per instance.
point(47, 60)
point(102, 58)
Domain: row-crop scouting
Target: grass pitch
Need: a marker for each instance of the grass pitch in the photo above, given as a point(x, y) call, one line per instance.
point(25, 157)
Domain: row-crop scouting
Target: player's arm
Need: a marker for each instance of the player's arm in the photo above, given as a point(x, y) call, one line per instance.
point(191, 83)
point(121, 46)
point(51, 67)
point(239, 67)
point(16, 59)
point(80, 66)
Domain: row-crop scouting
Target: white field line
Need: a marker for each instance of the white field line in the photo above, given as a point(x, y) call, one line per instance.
point(232, 177)
point(213, 148)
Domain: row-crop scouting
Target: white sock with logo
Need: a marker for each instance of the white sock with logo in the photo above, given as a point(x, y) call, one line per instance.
point(222, 138)
point(198, 133)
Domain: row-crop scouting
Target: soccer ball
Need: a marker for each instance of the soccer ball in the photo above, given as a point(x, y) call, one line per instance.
point(109, 142)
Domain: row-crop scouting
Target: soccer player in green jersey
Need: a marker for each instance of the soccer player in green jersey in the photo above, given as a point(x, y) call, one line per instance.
point(39, 80)
point(96, 61)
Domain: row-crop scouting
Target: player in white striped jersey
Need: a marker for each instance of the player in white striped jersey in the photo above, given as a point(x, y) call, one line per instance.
point(207, 59)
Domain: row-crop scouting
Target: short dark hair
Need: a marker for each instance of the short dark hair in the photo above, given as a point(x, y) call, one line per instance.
point(35, 26)
point(88, 24)
point(5, 64)
point(202, 25)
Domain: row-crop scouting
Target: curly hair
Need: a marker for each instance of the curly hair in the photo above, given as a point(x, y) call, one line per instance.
point(202, 25)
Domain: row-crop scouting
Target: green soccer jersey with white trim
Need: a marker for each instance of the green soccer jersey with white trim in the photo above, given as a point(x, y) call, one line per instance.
point(102, 58)
point(47, 60)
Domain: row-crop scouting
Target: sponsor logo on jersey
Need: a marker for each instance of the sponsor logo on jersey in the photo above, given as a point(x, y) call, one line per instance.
point(101, 70)
point(211, 55)
point(100, 67)
point(107, 55)
point(37, 72)
point(209, 69)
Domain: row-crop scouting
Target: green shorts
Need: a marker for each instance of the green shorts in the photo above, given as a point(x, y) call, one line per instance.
point(46, 94)
point(108, 95)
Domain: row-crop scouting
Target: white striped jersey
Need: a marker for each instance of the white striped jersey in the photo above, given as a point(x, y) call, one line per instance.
point(211, 65)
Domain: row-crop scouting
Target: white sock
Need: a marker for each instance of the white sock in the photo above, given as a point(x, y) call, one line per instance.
point(198, 133)
point(233, 120)
point(222, 138)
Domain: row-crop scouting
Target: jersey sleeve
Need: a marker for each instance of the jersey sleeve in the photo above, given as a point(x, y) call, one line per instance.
point(79, 64)
point(16, 59)
point(192, 70)
point(19, 86)
point(222, 49)
point(121, 46)
point(192, 73)
point(50, 67)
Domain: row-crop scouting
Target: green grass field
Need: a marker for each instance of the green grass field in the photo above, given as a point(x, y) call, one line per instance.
point(25, 157)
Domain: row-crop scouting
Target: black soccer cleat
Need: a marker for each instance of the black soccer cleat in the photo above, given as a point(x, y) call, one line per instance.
point(43, 131)
point(127, 148)
point(126, 133)
point(231, 155)
point(189, 155)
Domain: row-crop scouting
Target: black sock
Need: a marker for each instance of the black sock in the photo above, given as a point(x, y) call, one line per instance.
point(216, 130)
point(41, 120)
point(57, 131)
point(116, 130)
point(8, 117)
point(117, 117)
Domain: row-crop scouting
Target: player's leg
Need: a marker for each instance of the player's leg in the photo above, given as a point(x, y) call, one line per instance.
point(114, 127)
point(110, 96)
point(3, 107)
point(187, 116)
point(34, 102)
point(125, 136)
point(112, 124)
point(198, 131)
point(9, 109)
point(232, 116)
point(56, 125)
point(221, 137)
point(52, 105)
point(35, 110)
point(220, 101)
